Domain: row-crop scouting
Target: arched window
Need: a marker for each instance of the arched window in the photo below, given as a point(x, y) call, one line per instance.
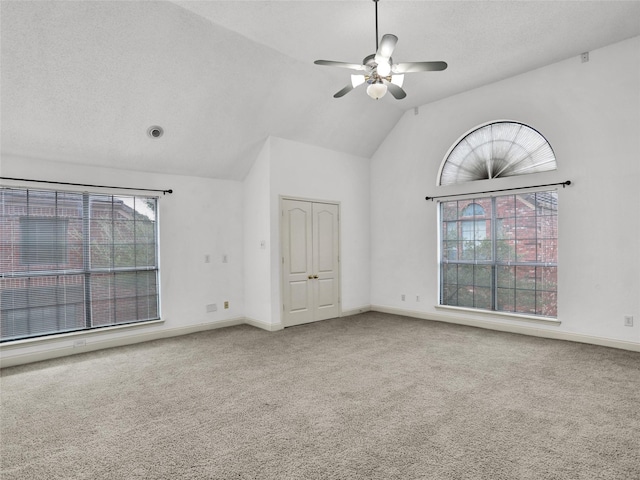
point(496, 149)
point(471, 210)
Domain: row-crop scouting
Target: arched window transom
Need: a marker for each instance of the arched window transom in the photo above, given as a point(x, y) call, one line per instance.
point(497, 149)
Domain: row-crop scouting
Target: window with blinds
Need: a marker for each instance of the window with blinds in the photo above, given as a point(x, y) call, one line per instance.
point(75, 261)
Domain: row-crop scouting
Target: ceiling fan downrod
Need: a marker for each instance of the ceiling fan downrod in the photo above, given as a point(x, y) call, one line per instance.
point(376, 2)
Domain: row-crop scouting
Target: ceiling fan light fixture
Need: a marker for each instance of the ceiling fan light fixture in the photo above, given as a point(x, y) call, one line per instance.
point(377, 90)
point(383, 68)
point(397, 80)
point(357, 80)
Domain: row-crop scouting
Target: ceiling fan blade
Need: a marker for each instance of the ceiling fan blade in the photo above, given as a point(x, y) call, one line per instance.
point(344, 91)
point(411, 67)
point(331, 63)
point(395, 90)
point(387, 44)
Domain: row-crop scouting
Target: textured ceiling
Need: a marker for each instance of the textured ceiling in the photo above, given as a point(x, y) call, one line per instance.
point(82, 81)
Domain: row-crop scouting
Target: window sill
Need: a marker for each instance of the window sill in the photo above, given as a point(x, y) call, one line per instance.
point(505, 315)
point(76, 335)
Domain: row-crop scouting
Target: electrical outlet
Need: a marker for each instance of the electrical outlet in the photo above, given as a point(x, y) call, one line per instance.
point(212, 307)
point(403, 297)
point(417, 298)
point(628, 320)
point(226, 304)
point(207, 259)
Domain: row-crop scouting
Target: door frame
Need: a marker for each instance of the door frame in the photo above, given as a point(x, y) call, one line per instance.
point(282, 198)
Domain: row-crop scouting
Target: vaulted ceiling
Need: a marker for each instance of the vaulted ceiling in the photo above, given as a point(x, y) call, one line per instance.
point(82, 81)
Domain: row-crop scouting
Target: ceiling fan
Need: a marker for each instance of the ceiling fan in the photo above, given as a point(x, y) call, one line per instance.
point(379, 71)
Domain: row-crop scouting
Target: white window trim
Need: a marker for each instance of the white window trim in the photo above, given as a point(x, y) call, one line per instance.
point(506, 315)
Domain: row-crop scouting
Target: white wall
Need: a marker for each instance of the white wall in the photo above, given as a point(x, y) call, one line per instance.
point(202, 217)
point(298, 170)
point(590, 113)
point(257, 238)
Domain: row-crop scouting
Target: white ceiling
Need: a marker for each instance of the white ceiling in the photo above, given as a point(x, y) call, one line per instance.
point(82, 81)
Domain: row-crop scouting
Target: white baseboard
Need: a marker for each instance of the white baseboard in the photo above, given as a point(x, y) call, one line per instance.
point(94, 342)
point(356, 311)
point(270, 327)
point(503, 327)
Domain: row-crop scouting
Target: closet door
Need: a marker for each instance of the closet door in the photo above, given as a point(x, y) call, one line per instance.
point(310, 261)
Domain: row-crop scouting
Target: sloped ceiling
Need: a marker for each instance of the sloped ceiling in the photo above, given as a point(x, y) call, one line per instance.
point(83, 81)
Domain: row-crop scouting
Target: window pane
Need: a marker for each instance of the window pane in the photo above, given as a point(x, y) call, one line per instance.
point(525, 205)
point(450, 250)
point(506, 300)
point(506, 228)
point(483, 250)
point(465, 297)
point(525, 301)
point(102, 300)
point(546, 303)
point(526, 227)
point(449, 210)
point(526, 278)
point(548, 251)
point(451, 230)
point(483, 298)
point(505, 251)
point(450, 273)
point(33, 306)
point(465, 274)
point(450, 295)
point(506, 206)
point(506, 276)
point(483, 275)
point(526, 250)
point(547, 278)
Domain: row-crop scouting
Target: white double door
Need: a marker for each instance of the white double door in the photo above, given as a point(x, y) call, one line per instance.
point(310, 261)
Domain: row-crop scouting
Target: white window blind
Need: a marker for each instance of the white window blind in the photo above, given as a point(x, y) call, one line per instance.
point(75, 261)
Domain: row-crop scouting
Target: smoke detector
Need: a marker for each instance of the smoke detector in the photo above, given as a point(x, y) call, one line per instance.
point(155, 131)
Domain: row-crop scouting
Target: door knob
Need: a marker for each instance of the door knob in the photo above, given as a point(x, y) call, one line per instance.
point(315, 276)
point(310, 277)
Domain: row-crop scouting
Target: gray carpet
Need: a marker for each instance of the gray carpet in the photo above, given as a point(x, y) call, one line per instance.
point(372, 396)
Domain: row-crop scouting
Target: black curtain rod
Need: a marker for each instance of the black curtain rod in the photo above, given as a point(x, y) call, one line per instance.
point(88, 185)
point(564, 184)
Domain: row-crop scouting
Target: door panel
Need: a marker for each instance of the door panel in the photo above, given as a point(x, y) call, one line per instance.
point(297, 224)
point(299, 296)
point(325, 260)
point(298, 241)
point(325, 293)
point(310, 255)
point(324, 242)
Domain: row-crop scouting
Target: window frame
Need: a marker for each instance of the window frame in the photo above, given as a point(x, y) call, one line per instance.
point(71, 269)
point(494, 263)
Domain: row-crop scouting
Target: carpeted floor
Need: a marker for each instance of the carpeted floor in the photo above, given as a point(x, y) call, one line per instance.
point(373, 396)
